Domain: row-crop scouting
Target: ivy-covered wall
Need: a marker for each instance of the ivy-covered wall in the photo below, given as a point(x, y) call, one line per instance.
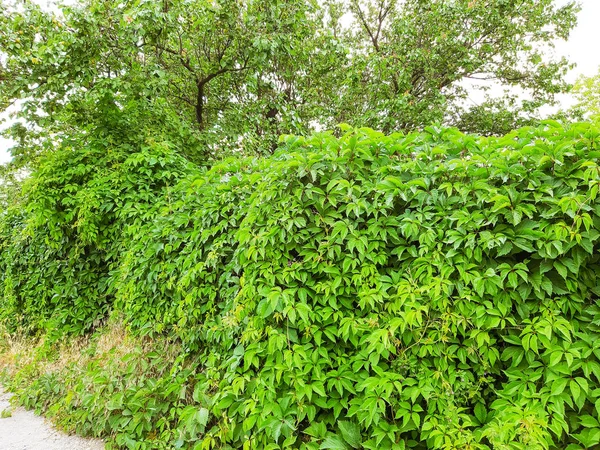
point(429, 291)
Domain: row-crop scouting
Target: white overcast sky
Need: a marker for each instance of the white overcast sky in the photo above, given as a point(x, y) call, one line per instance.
point(582, 48)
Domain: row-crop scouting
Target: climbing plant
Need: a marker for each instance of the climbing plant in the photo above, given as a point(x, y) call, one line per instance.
point(60, 242)
point(429, 291)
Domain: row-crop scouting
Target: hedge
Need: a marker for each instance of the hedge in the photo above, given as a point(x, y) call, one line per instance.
point(429, 291)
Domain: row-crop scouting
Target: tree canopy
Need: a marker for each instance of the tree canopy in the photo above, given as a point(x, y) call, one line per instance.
point(587, 93)
point(215, 73)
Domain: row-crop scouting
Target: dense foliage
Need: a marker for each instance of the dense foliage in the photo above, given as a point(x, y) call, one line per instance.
point(226, 71)
point(61, 239)
point(431, 291)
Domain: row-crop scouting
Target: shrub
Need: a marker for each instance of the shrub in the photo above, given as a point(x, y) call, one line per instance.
point(58, 248)
point(435, 290)
point(431, 291)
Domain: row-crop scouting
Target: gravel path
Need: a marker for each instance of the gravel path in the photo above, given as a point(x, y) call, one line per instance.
point(26, 431)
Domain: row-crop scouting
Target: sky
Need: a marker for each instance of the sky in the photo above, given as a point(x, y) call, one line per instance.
point(582, 46)
point(581, 49)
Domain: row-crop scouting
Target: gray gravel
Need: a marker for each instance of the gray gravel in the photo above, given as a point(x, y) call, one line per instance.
point(26, 431)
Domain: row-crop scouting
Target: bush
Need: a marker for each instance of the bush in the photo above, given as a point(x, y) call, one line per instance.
point(435, 290)
point(59, 246)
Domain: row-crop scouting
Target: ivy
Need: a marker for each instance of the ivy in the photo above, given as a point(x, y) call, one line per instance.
point(61, 243)
point(431, 291)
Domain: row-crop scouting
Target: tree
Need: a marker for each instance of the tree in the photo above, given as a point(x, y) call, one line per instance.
point(219, 73)
point(216, 71)
point(416, 56)
point(587, 93)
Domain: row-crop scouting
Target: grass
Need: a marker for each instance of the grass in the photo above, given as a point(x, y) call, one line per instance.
point(84, 385)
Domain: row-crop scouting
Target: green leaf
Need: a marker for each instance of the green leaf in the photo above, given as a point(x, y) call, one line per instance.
point(561, 269)
point(350, 433)
point(334, 442)
point(588, 421)
point(202, 416)
point(264, 308)
point(480, 413)
point(558, 386)
point(317, 430)
point(575, 389)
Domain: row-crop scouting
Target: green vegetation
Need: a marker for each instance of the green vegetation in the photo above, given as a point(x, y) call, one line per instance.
point(218, 72)
point(587, 93)
point(433, 290)
point(174, 274)
point(60, 242)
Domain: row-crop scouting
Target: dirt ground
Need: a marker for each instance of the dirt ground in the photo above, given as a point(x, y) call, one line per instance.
point(23, 430)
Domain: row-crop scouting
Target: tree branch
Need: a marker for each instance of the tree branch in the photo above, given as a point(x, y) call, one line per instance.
point(201, 84)
point(184, 62)
point(363, 20)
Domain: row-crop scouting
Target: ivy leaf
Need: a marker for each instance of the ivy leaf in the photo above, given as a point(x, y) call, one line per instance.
point(558, 386)
point(588, 421)
point(480, 412)
point(264, 308)
point(575, 389)
point(561, 269)
point(334, 442)
point(351, 433)
point(202, 416)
